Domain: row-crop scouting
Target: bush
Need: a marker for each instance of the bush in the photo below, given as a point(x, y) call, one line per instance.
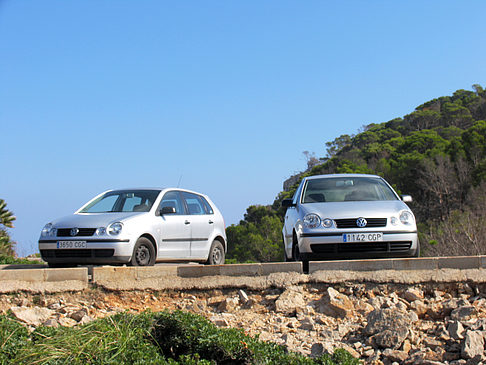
point(162, 338)
point(12, 337)
point(11, 260)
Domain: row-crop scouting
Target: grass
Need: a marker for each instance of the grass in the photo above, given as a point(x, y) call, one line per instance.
point(147, 338)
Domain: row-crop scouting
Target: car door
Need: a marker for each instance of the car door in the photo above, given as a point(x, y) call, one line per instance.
point(201, 224)
point(175, 228)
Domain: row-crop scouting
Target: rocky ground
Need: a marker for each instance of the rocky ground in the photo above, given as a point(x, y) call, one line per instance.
point(381, 324)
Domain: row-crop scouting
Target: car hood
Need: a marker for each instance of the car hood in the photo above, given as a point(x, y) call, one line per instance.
point(367, 209)
point(93, 220)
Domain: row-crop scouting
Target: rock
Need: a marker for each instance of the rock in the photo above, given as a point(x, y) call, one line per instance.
point(413, 294)
point(51, 323)
point(420, 308)
point(86, 319)
point(395, 355)
point(335, 304)
point(463, 313)
point(317, 350)
point(54, 306)
point(387, 327)
point(406, 346)
point(307, 324)
point(219, 321)
point(67, 322)
point(449, 305)
point(32, 316)
point(78, 315)
point(228, 305)
point(473, 345)
point(480, 324)
point(432, 343)
point(289, 300)
point(363, 307)
point(456, 330)
point(243, 296)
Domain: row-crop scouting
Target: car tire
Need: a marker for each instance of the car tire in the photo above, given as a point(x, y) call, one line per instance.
point(295, 252)
point(216, 254)
point(143, 253)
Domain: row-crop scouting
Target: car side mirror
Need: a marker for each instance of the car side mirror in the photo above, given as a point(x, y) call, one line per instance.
point(286, 203)
point(407, 199)
point(167, 210)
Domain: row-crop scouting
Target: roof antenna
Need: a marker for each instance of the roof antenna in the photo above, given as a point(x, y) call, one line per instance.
point(179, 183)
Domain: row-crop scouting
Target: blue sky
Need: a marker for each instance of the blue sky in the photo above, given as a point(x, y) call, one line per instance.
point(224, 95)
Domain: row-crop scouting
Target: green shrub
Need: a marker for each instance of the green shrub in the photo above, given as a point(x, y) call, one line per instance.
point(168, 338)
point(120, 339)
point(11, 260)
point(12, 337)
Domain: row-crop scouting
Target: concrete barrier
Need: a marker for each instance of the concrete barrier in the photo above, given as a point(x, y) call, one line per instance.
point(37, 278)
point(43, 280)
point(197, 271)
point(44, 275)
point(420, 263)
point(115, 273)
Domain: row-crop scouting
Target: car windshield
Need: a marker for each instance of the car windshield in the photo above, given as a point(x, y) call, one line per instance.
point(122, 201)
point(340, 189)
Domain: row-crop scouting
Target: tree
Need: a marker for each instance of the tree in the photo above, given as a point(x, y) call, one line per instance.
point(6, 221)
point(258, 238)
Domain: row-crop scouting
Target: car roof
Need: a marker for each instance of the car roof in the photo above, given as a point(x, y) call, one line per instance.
point(341, 175)
point(154, 189)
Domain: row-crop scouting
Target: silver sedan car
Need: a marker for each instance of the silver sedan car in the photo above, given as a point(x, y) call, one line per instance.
point(348, 216)
point(137, 227)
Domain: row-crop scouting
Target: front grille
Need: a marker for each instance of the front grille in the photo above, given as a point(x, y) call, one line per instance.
point(77, 253)
point(83, 232)
point(397, 246)
point(351, 223)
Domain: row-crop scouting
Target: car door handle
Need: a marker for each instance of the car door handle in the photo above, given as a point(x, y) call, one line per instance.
point(210, 221)
point(187, 222)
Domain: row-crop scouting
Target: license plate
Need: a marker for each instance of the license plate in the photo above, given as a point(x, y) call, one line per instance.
point(72, 244)
point(363, 237)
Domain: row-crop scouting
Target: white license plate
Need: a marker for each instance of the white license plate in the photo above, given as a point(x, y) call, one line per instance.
point(363, 237)
point(72, 244)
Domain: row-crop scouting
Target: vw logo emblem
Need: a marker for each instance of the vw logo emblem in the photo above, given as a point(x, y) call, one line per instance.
point(74, 231)
point(361, 222)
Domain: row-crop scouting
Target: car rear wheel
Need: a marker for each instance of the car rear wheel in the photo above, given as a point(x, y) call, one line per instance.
point(143, 253)
point(216, 254)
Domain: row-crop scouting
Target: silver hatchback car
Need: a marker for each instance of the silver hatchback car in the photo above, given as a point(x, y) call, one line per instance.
point(348, 216)
point(137, 227)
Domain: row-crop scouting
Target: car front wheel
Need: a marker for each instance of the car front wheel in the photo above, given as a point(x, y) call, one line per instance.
point(216, 254)
point(143, 253)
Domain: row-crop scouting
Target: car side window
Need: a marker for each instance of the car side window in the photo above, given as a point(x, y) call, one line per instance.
point(172, 199)
point(194, 204)
point(296, 196)
point(207, 206)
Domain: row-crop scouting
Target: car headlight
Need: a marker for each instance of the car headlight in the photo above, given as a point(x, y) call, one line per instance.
point(115, 228)
point(48, 231)
point(312, 220)
point(406, 218)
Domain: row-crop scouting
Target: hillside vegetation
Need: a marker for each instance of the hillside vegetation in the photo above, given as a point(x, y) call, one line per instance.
point(437, 154)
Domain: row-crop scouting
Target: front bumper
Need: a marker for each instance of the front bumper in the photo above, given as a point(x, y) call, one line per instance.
point(97, 251)
point(316, 246)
